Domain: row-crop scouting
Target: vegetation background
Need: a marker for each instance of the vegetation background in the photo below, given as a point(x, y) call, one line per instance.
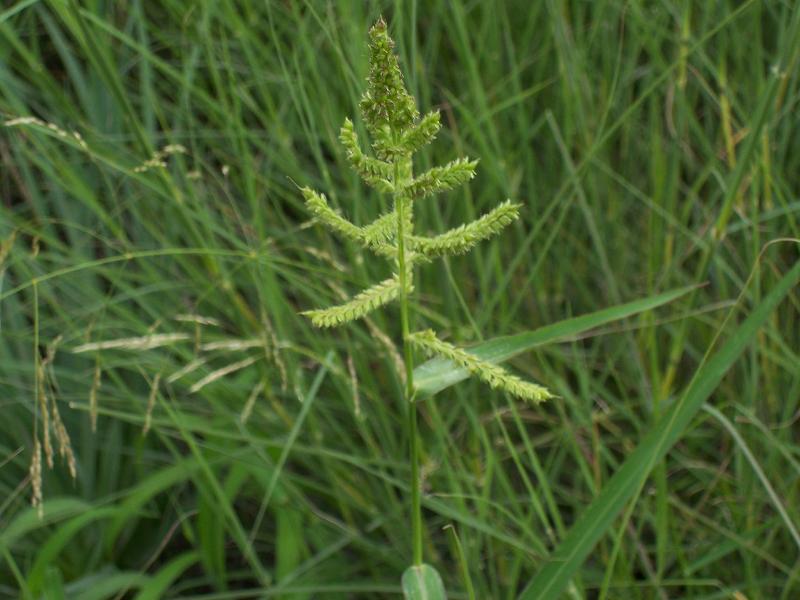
point(653, 144)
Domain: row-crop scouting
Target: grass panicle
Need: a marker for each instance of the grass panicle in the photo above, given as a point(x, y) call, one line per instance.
point(391, 116)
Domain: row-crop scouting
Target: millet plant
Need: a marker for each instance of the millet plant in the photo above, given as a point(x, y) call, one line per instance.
point(397, 131)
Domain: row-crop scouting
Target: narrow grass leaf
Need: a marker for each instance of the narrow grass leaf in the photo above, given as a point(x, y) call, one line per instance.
point(158, 586)
point(50, 548)
point(555, 574)
point(773, 495)
point(28, 521)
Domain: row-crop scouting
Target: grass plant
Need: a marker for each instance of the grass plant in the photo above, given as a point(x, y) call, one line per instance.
point(393, 120)
point(155, 255)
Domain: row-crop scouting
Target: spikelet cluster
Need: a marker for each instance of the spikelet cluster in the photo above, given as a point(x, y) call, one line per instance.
point(386, 102)
point(397, 131)
point(362, 304)
point(494, 375)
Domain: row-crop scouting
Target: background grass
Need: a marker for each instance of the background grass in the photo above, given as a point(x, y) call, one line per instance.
point(653, 144)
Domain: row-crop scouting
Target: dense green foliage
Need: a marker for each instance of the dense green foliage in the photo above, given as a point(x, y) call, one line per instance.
point(155, 254)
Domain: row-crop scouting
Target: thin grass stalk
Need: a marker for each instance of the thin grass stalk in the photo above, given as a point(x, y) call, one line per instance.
point(401, 206)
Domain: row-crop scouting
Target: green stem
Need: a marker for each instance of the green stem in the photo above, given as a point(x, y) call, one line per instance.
point(402, 204)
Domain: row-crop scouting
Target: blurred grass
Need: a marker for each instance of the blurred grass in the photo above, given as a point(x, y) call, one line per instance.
point(654, 146)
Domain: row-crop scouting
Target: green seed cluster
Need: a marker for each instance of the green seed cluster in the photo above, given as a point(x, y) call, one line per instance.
point(494, 375)
point(386, 102)
point(397, 132)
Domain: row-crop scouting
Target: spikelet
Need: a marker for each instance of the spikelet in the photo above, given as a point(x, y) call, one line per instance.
point(274, 348)
point(369, 238)
point(64, 443)
point(251, 402)
point(351, 369)
point(495, 376)
point(222, 372)
point(381, 230)
point(151, 403)
point(159, 159)
point(35, 473)
point(423, 133)
point(365, 302)
point(377, 173)
point(93, 396)
point(147, 342)
point(44, 411)
point(463, 238)
point(386, 103)
point(318, 205)
point(440, 179)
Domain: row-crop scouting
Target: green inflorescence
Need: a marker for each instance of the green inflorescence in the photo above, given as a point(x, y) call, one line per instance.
point(397, 131)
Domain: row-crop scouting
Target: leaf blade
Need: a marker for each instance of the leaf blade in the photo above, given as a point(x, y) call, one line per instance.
point(551, 580)
point(423, 582)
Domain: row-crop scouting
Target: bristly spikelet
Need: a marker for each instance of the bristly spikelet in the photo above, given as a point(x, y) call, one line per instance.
point(318, 206)
point(373, 236)
point(495, 376)
point(365, 302)
point(423, 133)
point(382, 229)
point(462, 238)
point(440, 179)
point(377, 173)
point(386, 103)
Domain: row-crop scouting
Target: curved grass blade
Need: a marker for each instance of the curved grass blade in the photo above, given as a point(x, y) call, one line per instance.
point(160, 583)
point(627, 482)
point(423, 582)
point(751, 458)
point(28, 520)
point(437, 374)
point(48, 551)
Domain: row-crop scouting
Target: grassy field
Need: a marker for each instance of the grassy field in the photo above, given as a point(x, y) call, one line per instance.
point(155, 253)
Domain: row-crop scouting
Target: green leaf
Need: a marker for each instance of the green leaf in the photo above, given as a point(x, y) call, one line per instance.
point(53, 588)
point(423, 582)
point(28, 521)
point(554, 576)
point(437, 374)
point(106, 584)
point(48, 550)
point(462, 238)
point(168, 574)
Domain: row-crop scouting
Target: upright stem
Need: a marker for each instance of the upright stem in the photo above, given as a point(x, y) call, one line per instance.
point(402, 204)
